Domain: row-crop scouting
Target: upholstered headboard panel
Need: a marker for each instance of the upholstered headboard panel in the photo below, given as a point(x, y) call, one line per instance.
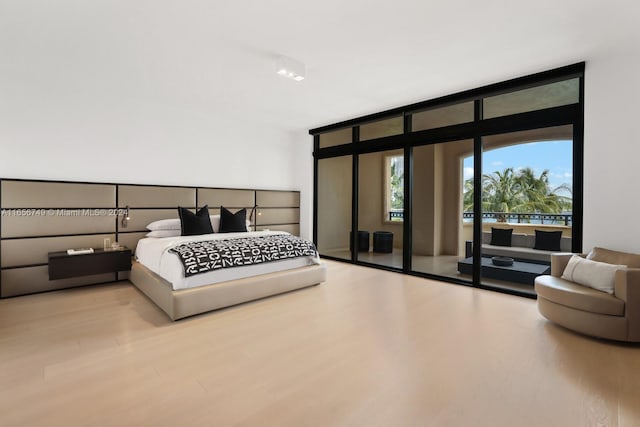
point(39, 217)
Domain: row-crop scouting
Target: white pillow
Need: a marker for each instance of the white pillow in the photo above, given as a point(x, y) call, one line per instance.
point(165, 224)
point(215, 222)
point(164, 233)
point(594, 274)
point(174, 224)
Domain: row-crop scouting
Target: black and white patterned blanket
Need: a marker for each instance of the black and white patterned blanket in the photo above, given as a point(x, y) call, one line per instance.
point(209, 255)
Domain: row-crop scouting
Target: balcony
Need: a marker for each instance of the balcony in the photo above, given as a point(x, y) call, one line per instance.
point(396, 215)
point(522, 218)
point(512, 217)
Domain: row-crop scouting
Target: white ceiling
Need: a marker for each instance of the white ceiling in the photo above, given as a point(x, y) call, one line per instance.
point(218, 57)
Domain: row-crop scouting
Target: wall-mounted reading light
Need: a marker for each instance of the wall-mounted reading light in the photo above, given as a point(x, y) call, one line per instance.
point(288, 67)
point(125, 218)
point(253, 216)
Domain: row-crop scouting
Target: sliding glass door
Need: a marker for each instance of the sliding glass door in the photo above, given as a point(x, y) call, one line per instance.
point(440, 199)
point(380, 208)
point(334, 200)
point(527, 204)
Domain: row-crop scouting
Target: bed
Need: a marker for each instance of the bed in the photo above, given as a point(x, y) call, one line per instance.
point(159, 273)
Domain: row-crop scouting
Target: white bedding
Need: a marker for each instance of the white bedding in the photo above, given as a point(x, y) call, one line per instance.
point(154, 254)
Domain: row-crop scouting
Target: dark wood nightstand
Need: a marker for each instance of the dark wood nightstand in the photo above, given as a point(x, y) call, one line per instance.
point(63, 265)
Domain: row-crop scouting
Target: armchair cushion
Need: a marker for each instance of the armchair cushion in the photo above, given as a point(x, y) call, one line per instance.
point(576, 296)
point(594, 274)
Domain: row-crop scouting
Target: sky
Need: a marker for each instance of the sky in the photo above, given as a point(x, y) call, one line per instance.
point(556, 156)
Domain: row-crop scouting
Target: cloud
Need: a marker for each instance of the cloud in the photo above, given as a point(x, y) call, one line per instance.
point(536, 171)
point(497, 163)
point(468, 173)
point(561, 175)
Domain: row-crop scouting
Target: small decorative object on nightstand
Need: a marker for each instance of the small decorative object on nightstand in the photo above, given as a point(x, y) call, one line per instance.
point(63, 265)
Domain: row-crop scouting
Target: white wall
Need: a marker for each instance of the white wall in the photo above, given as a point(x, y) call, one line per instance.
point(73, 140)
point(67, 137)
point(612, 149)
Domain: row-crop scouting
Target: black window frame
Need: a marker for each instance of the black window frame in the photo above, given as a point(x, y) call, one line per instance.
point(572, 114)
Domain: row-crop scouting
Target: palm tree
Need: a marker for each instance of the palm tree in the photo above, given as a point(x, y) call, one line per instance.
point(518, 191)
point(502, 192)
point(540, 196)
point(467, 195)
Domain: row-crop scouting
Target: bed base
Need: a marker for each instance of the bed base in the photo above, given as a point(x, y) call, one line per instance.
point(188, 302)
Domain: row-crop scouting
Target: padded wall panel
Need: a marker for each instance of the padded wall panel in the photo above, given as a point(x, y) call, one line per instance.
point(140, 218)
point(144, 196)
point(280, 199)
point(36, 194)
point(34, 251)
point(70, 216)
point(278, 216)
point(289, 228)
point(26, 226)
point(216, 197)
point(29, 280)
point(130, 240)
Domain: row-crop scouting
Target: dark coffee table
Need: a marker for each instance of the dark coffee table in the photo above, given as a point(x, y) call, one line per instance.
point(519, 272)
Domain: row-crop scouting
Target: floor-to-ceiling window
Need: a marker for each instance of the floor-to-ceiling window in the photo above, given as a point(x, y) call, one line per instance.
point(421, 188)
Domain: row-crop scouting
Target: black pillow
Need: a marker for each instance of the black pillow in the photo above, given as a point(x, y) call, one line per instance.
point(548, 240)
point(232, 223)
point(501, 236)
point(194, 224)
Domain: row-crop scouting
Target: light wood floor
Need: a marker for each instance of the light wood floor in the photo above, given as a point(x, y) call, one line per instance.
point(441, 265)
point(366, 348)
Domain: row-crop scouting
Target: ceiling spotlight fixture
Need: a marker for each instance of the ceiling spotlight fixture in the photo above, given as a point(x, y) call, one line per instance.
point(290, 68)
